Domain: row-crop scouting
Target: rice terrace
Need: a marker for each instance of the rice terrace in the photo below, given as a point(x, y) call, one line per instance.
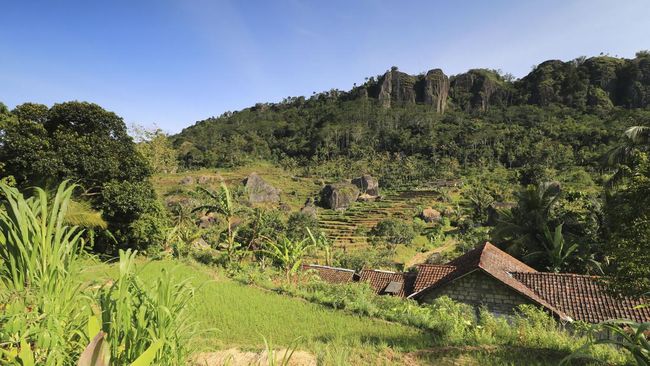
point(164, 202)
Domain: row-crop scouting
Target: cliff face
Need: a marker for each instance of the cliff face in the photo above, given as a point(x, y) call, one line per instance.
point(436, 89)
point(398, 88)
point(478, 90)
point(596, 82)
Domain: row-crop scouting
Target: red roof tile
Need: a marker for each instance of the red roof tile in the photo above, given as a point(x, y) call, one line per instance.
point(495, 263)
point(332, 274)
point(379, 280)
point(430, 274)
point(582, 297)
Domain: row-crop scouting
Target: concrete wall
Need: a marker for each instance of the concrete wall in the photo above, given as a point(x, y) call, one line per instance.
point(480, 289)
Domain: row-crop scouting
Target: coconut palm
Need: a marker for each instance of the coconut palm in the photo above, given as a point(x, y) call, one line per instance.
point(521, 229)
point(622, 157)
point(556, 252)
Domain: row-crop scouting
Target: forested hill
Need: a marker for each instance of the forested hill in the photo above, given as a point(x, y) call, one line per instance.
point(561, 113)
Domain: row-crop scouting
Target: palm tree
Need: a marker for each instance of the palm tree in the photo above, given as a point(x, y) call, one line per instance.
point(634, 140)
point(287, 254)
point(555, 251)
point(223, 205)
point(521, 229)
point(321, 241)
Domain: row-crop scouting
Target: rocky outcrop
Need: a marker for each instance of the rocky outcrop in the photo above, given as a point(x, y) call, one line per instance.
point(338, 196)
point(309, 208)
point(187, 180)
point(430, 215)
point(397, 87)
point(478, 89)
point(259, 191)
point(206, 221)
point(205, 179)
point(436, 90)
point(367, 184)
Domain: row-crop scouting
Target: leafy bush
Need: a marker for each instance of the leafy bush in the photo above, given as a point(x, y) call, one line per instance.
point(392, 232)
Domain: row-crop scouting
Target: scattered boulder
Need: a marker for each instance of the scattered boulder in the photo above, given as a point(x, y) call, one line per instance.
point(205, 179)
point(365, 197)
point(339, 196)
point(259, 191)
point(206, 221)
point(367, 184)
point(448, 212)
point(430, 215)
point(187, 180)
point(309, 208)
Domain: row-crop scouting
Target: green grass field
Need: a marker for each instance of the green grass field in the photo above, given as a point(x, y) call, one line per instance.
point(231, 315)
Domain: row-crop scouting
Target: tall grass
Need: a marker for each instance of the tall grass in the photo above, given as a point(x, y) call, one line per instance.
point(46, 312)
point(136, 316)
point(43, 305)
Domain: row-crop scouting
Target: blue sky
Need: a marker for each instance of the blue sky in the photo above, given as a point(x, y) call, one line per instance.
point(173, 62)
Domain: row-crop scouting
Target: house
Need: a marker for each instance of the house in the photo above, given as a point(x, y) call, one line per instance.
point(332, 274)
point(388, 283)
point(489, 277)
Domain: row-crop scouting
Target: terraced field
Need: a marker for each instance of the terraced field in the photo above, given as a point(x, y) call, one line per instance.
point(348, 228)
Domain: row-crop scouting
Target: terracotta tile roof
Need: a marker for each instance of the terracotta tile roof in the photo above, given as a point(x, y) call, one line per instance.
point(430, 274)
point(332, 274)
point(582, 297)
point(379, 280)
point(496, 263)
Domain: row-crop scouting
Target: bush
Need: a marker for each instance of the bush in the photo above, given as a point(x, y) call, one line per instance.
point(392, 232)
point(137, 220)
point(297, 225)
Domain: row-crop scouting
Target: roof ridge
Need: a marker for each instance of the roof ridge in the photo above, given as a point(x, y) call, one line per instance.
point(380, 270)
point(330, 267)
point(563, 274)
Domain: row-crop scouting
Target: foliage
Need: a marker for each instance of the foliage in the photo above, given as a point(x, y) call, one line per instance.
point(627, 335)
point(629, 219)
point(222, 203)
point(287, 254)
point(46, 307)
point(38, 272)
point(392, 232)
point(136, 218)
point(135, 316)
point(84, 143)
point(155, 147)
point(298, 223)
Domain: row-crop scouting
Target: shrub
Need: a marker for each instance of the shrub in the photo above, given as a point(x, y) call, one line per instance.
point(392, 232)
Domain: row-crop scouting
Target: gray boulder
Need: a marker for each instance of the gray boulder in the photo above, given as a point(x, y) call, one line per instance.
point(259, 191)
point(339, 196)
point(187, 180)
point(309, 209)
point(430, 215)
point(367, 184)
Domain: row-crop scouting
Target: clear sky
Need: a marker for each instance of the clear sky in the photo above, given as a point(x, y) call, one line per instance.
point(173, 62)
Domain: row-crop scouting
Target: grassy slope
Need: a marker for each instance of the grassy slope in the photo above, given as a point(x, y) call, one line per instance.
point(233, 315)
point(346, 228)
